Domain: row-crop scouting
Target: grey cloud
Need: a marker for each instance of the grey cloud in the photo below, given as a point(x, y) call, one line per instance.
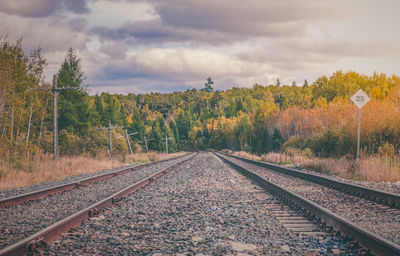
point(27, 8)
point(155, 32)
point(77, 24)
point(176, 65)
point(75, 6)
point(42, 8)
point(137, 85)
point(309, 54)
point(52, 34)
point(116, 51)
point(342, 48)
point(252, 17)
point(222, 22)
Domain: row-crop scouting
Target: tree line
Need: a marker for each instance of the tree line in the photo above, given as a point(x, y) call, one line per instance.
point(316, 119)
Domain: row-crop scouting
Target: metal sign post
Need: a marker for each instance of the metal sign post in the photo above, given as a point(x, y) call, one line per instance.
point(360, 98)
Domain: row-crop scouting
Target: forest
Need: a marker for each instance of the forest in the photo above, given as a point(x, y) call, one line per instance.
point(316, 119)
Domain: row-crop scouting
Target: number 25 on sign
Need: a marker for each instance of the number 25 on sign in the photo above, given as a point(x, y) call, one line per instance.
point(360, 98)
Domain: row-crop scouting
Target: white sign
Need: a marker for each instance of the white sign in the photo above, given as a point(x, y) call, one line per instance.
point(360, 98)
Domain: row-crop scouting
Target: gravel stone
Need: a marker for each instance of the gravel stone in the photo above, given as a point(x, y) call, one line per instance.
point(43, 185)
point(381, 219)
point(390, 187)
point(201, 208)
point(20, 221)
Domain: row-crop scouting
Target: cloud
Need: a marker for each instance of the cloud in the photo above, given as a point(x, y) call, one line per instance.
point(42, 8)
point(51, 34)
point(222, 22)
point(154, 32)
point(116, 51)
point(113, 14)
point(312, 53)
point(145, 45)
point(253, 18)
point(138, 85)
point(179, 64)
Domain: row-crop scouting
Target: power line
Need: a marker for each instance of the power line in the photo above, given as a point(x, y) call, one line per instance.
point(55, 91)
point(109, 128)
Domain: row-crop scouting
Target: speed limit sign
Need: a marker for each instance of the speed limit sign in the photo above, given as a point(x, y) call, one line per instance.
point(360, 98)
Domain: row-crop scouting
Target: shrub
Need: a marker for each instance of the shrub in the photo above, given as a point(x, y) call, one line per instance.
point(298, 142)
point(387, 151)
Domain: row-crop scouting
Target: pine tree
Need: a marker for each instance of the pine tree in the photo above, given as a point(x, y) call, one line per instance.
point(277, 140)
point(73, 104)
point(156, 135)
point(207, 86)
point(137, 124)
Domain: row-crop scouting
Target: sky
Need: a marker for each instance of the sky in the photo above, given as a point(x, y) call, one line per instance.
point(132, 46)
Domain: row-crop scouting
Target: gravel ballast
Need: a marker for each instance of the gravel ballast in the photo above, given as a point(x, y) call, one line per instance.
point(201, 208)
point(20, 221)
point(380, 219)
point(44, 185)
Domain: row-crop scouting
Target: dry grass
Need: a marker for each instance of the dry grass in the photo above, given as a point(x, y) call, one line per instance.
point(41, 168)
point(369, 168)
point(246, 155)
point(376, 168)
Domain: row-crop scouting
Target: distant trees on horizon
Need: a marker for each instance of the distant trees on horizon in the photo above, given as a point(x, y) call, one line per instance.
point(317, 118)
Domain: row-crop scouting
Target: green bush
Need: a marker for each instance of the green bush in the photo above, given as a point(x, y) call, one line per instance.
point(298, 142)
point(332, 143)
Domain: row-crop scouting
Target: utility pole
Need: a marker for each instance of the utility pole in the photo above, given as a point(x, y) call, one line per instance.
point(127, 139)
point(109, 128)
point(55, 91)
point(166, 142)
point(145, 143)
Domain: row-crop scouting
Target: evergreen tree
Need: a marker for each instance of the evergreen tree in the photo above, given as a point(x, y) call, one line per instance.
point(156, 135)
point(175, 134)
point(277, 140)
point(184, 125)
point(73, 104)
point(137, 124)
point(208, 86)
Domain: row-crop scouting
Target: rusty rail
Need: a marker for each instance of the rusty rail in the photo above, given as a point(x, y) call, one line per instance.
point(365, 238)
point(54, 231)
point(387, 198)
point(18, 199)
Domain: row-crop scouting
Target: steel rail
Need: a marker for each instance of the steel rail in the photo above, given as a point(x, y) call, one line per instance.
point(365, 238)
point(387, 198)
point(54, 231)
point(38, 194)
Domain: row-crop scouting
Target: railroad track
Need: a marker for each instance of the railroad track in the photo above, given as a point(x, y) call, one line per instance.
point(202, 207)
point(34, 195)
point(28, 223)
point(346, 215)
point(390, 199)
